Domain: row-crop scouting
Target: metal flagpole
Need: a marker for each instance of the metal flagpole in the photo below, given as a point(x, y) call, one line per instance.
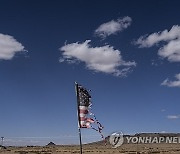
point(79, 128)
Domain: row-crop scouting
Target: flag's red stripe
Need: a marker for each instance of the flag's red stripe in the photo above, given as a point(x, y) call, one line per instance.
point(83, 111)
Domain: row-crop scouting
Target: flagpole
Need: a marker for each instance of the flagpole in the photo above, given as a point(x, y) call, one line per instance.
point(79, 129)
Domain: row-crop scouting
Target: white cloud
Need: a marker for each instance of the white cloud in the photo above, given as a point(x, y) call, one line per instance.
point(170, 50)
point(175, 83)
point(100, 59)
point(173, 116)
point(112, 27)
point(9, 47)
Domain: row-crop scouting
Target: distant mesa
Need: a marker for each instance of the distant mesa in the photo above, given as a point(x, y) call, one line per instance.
point(152, 135)
point(51, 144)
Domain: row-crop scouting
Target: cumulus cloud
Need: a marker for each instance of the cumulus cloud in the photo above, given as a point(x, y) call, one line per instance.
point(169, 83)
point(173, 116)
point(169, 50)
point(113, 27)
point(9, 47)
point(100, 59)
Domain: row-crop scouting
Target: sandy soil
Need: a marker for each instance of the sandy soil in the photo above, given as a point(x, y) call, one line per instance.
point(97, 149)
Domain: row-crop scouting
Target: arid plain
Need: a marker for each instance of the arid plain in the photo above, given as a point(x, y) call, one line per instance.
point(96, 149)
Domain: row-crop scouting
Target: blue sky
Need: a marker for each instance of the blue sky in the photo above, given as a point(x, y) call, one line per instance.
point(126, 52)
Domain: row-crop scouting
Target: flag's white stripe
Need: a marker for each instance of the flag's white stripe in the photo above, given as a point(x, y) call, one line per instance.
point(88, 124)
point(83, 107)
point(82, 115)
point(82, 123)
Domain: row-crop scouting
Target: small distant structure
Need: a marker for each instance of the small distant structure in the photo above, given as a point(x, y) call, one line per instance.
point(2, 141)
point(51, 144)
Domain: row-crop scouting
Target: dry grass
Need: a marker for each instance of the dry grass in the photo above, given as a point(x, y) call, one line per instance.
point(97, 149)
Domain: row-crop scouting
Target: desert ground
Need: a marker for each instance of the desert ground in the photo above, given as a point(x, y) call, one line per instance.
point(96, 149)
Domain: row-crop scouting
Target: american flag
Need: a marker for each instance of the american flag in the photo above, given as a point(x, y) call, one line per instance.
point(85, 117)
point(84, 103)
